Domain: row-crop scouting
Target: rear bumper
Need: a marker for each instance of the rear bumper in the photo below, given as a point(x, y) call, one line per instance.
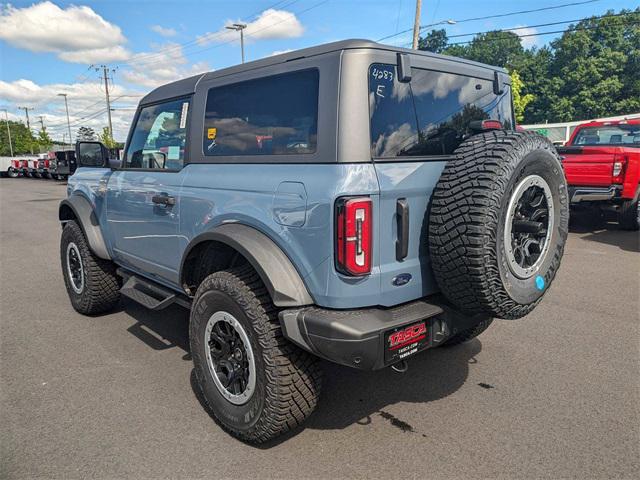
point(594, 194)
point(356, 338)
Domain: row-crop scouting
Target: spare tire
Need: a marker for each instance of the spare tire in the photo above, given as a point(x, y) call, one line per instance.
point(498, 223)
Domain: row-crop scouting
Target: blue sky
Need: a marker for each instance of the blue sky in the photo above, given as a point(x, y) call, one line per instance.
point(47, 47)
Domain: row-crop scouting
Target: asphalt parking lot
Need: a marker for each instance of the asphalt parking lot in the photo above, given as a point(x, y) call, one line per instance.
point(555, 395)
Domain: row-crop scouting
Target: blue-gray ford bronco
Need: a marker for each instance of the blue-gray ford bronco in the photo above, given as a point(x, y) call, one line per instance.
point(353, 202)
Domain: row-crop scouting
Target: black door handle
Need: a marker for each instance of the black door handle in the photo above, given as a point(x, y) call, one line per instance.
point(163, 199)
point(402, 243)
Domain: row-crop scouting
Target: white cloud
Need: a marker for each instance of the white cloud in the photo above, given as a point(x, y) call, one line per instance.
point(165, 64)
point(165, 32)
point(527, 42)
point(280, 52)
point(87, 106)
point(45, 27)
point(112, 54)
point(270, 24)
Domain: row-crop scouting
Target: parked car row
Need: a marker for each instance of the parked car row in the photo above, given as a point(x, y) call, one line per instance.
point(57, 165)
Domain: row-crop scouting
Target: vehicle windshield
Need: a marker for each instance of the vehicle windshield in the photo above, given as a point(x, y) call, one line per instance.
point(627, 135)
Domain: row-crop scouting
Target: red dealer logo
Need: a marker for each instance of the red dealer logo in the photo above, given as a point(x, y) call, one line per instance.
point(409, 335)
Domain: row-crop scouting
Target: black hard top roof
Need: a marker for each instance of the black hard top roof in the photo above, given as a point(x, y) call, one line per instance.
point(187, 86)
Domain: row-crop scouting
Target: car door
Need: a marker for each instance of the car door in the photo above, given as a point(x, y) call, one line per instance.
point(143, 197)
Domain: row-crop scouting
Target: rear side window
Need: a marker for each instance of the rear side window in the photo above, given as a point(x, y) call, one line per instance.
point(429, 115)
point(275, 115)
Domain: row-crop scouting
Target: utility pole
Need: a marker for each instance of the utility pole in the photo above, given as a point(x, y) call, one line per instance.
point(239, 27)
point(26, 112)
point(41, 117)
point(416, 25)
point(66, 106)
point(106, 92)
point(6, 117)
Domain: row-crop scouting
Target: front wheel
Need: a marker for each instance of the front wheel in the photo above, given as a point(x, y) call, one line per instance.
point(92, 283)
point(256, 383)
point(12, 172)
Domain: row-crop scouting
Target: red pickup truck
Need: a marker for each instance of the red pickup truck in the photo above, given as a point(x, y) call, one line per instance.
point(601, 161)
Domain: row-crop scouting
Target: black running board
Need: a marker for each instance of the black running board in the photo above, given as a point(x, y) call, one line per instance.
point(150, 294)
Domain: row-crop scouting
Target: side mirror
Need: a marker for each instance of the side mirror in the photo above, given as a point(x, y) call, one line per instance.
point(92, 154)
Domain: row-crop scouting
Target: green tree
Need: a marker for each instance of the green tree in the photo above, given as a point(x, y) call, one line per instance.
point(44, 140)
point(520, 101)
point(595, 68)
point(590, 71)
point(502, 49)
point(435, 41)
point(86, 134)
point(107, 139)
point(21, 138)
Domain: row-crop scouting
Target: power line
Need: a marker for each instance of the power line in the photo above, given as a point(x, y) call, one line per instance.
point(499, 15)
point(142, 58)
point(577, 29)
point(252, 34)
point(542, 24)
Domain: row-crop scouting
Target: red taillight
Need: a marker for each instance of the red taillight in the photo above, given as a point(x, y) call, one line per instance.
point(353, 235)
point(619, 167)
point(491, 125)
point(483, 125)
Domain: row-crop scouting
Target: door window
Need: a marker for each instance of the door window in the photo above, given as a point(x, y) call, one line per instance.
point(159, 138)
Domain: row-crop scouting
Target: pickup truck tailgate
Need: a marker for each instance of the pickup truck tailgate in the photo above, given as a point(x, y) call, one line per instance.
point(588, 166)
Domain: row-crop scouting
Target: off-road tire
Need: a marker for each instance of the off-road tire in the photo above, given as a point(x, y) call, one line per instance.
point(101, 287)
point(629, 215)
point(467, 222)
point(288, 379)
point(469, 333)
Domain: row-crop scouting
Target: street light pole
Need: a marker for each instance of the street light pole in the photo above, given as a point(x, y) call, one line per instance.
point(416, 25)
point(66, 106)
point(6, 117)
point(26, 112)
point(239, 27)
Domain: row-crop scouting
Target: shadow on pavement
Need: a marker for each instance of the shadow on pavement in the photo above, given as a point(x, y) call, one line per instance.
point(595, 227)
point(348, 396)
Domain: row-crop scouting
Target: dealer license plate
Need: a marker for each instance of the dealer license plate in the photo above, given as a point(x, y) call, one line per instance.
point(404, 341)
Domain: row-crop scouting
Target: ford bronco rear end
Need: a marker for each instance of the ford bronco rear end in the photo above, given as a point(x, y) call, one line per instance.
point(352, 201)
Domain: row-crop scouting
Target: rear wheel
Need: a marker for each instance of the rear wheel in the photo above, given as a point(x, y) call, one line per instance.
point(91, 282)
point(629, 215)
point(12, 172)
point(498, 223)
point(257, 384)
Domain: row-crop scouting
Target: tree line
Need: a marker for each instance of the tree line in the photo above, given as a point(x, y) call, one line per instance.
point(24, 141)
point(591, 71)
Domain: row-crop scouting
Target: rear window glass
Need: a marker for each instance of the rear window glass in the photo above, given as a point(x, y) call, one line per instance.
point(609, 135)
point(429, 115)
point(275, 115)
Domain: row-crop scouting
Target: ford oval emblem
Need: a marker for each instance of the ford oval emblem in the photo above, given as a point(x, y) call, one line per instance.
point(401, 279)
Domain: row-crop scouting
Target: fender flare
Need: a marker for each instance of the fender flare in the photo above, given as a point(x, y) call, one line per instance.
point(88, 221)
point(283, 282)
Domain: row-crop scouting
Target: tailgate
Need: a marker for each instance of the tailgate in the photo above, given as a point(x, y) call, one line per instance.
point(588, 166)
point(409, 185)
